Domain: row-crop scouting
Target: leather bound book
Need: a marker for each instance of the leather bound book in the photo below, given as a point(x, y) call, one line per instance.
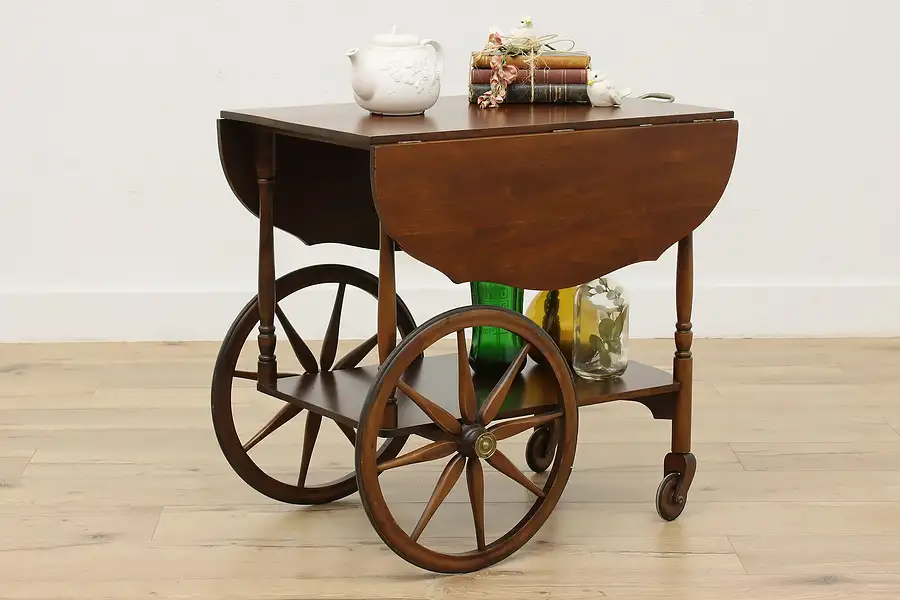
point(544, 93)
point(547, 60)
point(540, 76)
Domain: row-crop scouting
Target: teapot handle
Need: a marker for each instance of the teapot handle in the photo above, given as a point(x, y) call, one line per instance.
point(440, 54)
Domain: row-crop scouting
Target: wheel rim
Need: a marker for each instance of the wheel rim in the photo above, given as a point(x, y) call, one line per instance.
point(465, 441)
point(238, 452)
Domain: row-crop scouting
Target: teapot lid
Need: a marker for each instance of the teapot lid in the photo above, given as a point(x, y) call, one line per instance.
point(396, 39)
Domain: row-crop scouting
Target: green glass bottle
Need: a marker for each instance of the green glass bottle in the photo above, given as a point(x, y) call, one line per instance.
point(494, 348)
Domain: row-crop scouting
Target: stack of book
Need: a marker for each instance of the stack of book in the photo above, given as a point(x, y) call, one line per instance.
point(557, 77)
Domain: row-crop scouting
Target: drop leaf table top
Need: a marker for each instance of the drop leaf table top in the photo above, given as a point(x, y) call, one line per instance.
point(534, 196)
point(453, 118)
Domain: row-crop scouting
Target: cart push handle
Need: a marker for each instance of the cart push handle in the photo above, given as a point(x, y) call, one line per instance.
point(669, 98)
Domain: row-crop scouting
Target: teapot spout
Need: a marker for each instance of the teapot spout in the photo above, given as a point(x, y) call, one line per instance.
point(362, 85)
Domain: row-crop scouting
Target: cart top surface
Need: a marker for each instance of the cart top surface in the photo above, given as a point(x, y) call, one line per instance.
point(454, 117)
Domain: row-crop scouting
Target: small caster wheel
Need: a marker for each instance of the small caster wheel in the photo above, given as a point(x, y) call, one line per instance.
point(668, 506)
point(540, 450)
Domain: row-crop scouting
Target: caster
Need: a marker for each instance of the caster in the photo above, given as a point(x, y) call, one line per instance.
point(540, 450)
point(669, 505)
point(671, 495)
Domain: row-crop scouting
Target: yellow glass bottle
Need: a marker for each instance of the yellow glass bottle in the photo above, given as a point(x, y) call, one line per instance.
point(554, 311)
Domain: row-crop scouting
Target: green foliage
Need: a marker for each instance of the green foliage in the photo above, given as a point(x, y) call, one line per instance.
point(607, 342)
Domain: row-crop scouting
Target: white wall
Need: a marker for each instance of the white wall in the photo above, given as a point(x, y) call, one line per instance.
point(117, 222)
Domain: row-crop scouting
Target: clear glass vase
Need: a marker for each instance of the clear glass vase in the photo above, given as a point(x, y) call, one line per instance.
point(600, 348)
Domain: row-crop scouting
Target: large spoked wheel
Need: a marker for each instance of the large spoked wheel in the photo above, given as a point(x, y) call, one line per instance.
point(477, 437)
point(293, 488)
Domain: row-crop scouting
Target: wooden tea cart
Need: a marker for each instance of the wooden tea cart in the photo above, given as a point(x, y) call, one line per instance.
point(539, 197)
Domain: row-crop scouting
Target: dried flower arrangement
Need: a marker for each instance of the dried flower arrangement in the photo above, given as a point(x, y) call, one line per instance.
point(521, 42)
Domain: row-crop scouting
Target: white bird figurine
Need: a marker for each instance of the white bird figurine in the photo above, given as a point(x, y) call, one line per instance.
point(524, 29)
point(601, 91)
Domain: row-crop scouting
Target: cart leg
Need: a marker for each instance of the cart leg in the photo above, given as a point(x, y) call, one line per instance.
point(265, 174)
point(387, 298)
point(683, 366)
point(680, 463)
point(387, 313)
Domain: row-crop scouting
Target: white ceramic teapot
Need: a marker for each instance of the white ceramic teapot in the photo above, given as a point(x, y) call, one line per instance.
point(397, 74)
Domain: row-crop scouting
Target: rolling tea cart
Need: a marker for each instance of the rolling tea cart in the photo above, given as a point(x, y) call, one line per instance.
point(538, 197)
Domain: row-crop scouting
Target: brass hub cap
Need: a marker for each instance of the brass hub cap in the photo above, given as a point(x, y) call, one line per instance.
point(485, 445)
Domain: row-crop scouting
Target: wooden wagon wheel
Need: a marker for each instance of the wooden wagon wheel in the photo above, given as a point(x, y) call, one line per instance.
point(468, 441)
point(236, 451)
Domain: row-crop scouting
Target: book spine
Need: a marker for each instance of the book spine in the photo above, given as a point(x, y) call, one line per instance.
point(544, 93)
point(540, 76)
point(543, 61)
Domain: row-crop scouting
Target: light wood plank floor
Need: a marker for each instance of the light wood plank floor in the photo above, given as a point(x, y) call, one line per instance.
point(112, 486)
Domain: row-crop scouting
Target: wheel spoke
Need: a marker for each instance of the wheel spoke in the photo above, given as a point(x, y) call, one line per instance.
point(301, 350)
point(285, 414)
point(438, 415)
point(348, 432)
point(355, 356)
point(508, 429)
point(329, 344)
point(433, 451)
point(498, 394)
point(311, 432)
point(467, 406)
point(500, 462)
point(434, 433)
point(445, 483)
point(475, 480)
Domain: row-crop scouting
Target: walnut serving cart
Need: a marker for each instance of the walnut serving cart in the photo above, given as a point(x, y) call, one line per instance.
point(539, 197)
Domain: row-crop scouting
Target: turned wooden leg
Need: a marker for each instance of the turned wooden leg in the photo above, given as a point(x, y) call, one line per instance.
point(387, 313)
point(684, 291)
point(265, 174)
point(680, 465)
point(387, 298)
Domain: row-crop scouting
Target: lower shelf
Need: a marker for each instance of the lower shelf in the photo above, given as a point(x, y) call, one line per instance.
point(340, 395)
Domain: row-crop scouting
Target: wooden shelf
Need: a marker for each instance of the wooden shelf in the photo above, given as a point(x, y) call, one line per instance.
point(340, 395)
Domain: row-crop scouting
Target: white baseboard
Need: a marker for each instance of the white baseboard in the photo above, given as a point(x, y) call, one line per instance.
point(719, 311)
